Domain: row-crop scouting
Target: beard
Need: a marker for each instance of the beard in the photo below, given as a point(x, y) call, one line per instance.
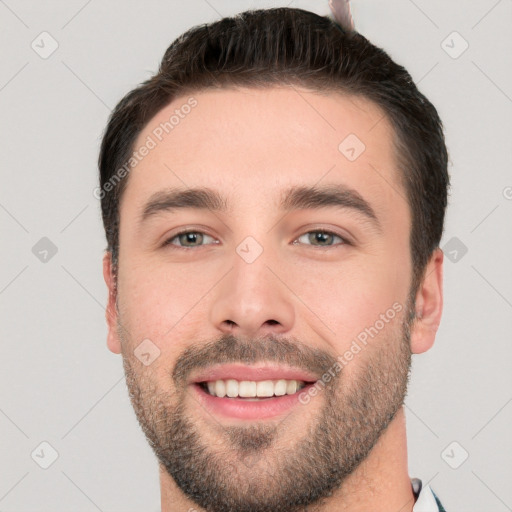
point(246, 469)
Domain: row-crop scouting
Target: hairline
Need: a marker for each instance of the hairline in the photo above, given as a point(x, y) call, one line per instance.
point(400, 160)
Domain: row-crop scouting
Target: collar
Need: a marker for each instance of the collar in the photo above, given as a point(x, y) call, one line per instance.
point(425, 499)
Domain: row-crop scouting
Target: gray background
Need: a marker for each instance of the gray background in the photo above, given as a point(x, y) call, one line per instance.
point(58, 381)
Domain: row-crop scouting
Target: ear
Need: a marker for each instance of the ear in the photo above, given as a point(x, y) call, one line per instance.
point(429, 305)
point(113, 342)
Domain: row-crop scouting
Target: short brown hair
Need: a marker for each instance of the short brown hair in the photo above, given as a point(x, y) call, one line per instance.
point(261, 48)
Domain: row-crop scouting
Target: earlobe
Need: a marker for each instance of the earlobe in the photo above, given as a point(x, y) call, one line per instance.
point(429, 305)
point(113, 341)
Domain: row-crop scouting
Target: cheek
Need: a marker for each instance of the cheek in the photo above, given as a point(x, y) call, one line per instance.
point(158, 301)
point(344, 298)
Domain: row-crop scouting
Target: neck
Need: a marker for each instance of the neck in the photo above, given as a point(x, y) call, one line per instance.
point(381, 482)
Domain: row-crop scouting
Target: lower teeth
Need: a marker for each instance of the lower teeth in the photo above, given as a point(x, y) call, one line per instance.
point(253, 399)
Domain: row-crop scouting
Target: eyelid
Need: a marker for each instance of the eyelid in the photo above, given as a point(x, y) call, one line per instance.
point(344, 234)
point(345, 240)
point(167, 240)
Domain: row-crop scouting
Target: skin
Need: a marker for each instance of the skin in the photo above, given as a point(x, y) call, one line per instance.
point(250, 145)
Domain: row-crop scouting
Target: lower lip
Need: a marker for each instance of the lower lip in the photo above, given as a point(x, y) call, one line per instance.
point(248, 409)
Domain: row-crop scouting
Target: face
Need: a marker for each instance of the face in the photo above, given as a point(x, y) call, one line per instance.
point(262, 293)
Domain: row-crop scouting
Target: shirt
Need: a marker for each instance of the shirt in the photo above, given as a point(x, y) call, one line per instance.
point(426, 500)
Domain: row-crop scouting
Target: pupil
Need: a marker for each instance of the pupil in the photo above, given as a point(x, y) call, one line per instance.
point(322, 237)
point(190, 237)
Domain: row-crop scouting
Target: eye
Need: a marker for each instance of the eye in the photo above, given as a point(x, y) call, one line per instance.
point(188, 239)
point(319, 238)
point(322, 238)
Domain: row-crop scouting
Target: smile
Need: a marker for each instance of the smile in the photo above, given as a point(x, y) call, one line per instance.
point(251, 389)
point(250, 392)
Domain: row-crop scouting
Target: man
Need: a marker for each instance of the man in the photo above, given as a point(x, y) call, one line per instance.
point(273, 200)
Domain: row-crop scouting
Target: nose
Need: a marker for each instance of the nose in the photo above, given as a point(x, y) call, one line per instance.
point(253, 300)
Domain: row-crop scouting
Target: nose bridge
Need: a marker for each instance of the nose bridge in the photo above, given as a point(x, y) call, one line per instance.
point(251, 300)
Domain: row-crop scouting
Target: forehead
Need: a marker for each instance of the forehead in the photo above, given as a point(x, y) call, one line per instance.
point(254, 143)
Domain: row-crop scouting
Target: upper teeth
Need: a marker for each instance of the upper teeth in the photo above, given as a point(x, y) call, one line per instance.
point(250, 388)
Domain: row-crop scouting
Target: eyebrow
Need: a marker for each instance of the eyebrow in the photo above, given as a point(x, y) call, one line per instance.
point(294, 198)
point(340, 196)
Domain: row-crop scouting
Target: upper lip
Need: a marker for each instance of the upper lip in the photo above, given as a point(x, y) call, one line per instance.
point(256, 372)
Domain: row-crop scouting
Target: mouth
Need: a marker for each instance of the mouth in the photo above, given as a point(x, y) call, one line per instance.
point(249, 392)
point(250, 389)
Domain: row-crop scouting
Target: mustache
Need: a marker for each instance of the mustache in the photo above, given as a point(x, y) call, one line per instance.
point(230, 349)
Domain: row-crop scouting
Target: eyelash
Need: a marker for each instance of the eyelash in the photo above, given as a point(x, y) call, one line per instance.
point(323, 231)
